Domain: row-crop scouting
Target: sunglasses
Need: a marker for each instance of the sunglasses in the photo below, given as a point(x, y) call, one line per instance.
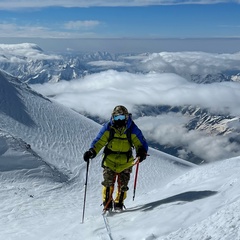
point(119, 117)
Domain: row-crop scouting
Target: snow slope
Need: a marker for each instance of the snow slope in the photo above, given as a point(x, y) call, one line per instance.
point(42, 187)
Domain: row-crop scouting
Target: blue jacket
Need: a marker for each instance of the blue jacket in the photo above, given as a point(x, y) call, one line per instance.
point(118, 156)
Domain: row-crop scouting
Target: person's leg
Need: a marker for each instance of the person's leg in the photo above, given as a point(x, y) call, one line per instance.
point(108, 187)
point(123, 180)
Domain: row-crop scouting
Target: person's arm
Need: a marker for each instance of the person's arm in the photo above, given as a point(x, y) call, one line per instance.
point(102, 139)
point(139, 143)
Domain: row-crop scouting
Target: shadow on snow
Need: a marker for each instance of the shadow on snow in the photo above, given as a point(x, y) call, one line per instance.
point(185, 197)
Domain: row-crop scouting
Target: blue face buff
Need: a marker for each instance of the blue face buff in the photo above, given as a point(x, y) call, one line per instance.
point(119, 117)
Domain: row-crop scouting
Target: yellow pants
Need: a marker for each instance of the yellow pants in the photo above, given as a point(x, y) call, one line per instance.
point(110, 179)
point(107, 193)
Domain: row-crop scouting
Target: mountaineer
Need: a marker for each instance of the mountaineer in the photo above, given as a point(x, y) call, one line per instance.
point(119, 136)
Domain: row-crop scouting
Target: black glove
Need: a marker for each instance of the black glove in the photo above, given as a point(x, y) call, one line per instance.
point(141, 154)
point(89, 154)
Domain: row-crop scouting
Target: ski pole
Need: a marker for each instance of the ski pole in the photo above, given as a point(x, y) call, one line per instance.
point(85, 192)
point(135, 180)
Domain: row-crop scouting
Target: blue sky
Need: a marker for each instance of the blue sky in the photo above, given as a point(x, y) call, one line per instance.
point(119, 19)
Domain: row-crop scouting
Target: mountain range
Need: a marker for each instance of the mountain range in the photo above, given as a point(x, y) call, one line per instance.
point(31, 65)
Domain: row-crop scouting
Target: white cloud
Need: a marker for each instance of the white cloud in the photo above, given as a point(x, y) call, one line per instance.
point(109, 88)
point(187, 63)
point(169, 129)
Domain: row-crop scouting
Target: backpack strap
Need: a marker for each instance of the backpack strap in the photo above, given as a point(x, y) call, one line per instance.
point(111, 134)
point(128, 133)
point(107, 151)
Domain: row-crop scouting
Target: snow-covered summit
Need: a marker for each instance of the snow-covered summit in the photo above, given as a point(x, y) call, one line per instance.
point(16, 47)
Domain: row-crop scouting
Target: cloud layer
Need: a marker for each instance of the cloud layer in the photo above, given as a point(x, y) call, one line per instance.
point(106, 89)
point(169, 130)
point(188, 63)
point(98, 94)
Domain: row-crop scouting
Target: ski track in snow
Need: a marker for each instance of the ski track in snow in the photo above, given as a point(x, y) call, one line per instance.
point(42, 187)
